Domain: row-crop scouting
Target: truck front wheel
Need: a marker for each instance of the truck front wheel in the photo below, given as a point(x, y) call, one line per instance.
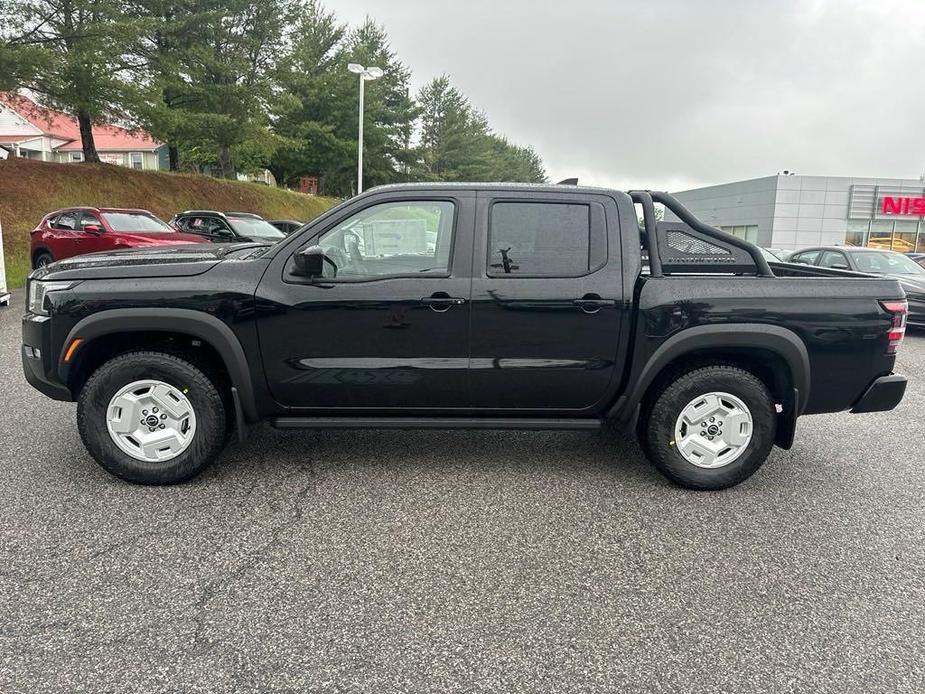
point(709, 428)
point(151, 418)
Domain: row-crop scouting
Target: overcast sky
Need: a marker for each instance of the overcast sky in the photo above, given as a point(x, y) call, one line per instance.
point(679, 93)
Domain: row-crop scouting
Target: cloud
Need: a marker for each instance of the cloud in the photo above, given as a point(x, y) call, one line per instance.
point(673, 93)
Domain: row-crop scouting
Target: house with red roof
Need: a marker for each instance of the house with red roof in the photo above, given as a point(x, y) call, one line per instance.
point(32, 131)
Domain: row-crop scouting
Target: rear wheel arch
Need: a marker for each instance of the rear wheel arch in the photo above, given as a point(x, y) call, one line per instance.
point(774, 354)
point(114, 331)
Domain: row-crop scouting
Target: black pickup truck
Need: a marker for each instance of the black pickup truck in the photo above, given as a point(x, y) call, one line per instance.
point(463, 306)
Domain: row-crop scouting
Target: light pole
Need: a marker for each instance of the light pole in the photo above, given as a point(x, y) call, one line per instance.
point(365, 73)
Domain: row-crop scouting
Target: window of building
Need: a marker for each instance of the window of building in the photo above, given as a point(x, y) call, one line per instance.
point(749, 232)
point(77, 156)
point(137, 160)
point(881, 234)
point(392, 239)
point(550, 239)
point(855, 238)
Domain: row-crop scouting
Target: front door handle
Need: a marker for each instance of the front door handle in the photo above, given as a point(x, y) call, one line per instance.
point(441, 301)
point(592, 303)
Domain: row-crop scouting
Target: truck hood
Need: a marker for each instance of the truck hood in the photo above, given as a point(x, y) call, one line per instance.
point(175, 260)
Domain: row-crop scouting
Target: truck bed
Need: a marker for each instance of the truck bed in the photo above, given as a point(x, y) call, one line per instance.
point(835, 313)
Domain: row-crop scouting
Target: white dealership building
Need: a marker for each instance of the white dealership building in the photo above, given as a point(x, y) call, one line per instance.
point(791, 211)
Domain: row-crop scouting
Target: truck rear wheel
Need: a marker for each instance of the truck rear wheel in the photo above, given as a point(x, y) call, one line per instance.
point(151, 418)
point(710, 428)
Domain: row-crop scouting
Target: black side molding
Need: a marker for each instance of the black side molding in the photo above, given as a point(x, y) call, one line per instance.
point(431, 423)
point(881, 395)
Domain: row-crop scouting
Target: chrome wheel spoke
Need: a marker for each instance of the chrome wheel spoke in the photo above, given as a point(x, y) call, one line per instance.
point(698, 450)
point(737, 428)
point(162, 444)
point(171, 401)
point(124, 414)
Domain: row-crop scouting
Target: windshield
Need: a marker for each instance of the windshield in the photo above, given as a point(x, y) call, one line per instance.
point(770, 257)
point(885, 263)
point(134, 222)
point(255, 228)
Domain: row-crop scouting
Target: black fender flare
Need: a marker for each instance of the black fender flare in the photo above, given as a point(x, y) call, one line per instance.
point(197, 324)
point(783, 342)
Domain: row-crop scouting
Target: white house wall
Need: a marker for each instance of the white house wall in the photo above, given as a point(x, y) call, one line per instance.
point(11, 123)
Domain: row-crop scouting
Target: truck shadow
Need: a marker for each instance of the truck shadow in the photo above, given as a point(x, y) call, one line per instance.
point(604, 453)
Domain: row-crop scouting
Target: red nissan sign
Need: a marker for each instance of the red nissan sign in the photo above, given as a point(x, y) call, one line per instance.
point(903, 205)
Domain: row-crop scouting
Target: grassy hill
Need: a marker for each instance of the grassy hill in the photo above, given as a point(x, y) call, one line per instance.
point(31, 189)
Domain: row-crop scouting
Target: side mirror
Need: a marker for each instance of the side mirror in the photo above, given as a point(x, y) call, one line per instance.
point(309, 262)
point(93, 229)
point(840, 266)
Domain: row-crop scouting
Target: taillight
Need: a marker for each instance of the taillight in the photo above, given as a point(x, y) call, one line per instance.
point(898, 310)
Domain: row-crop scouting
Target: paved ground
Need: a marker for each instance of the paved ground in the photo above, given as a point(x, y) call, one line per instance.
point(462, 562)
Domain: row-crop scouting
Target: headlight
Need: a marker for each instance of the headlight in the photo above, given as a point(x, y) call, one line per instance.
point(38, 290)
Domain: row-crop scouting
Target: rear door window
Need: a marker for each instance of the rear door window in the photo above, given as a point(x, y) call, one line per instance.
point(807, 258)
point(545, 239)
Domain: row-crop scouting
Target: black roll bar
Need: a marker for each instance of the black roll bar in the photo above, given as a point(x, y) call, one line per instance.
point(643, 198)
point(686, 216)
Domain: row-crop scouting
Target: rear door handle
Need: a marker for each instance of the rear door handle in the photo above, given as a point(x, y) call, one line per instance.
point(592, 303)
point(441, 301)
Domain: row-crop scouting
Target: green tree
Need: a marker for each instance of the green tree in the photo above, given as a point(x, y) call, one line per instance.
point(457, 142)
point(73, 54)
point(207, 72)
point(318, 114)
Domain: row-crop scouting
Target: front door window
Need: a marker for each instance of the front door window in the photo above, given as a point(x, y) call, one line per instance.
point(391, 240)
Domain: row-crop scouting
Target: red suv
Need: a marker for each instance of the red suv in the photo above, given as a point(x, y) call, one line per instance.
point(79, 230)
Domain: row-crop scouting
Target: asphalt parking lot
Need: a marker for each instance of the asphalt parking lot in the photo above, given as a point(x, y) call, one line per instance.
point(462, 562)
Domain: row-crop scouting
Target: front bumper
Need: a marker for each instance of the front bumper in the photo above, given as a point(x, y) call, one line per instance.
point(883, 394)
point(39, 359)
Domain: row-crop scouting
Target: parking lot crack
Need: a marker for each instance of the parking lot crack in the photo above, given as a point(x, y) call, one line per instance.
point(224, 581)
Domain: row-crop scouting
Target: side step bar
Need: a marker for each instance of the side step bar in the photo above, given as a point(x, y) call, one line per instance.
point(431, 423)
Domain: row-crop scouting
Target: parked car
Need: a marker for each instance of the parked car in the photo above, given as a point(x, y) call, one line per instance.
point(874, 261)
point(918, 258)
point(287, 226)
point(226, 227)
point(467, 306)
point(782, 253)
point(79, 230)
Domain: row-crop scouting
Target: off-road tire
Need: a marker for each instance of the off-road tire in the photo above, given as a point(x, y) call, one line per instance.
point(209, 407)
point(657, 426)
